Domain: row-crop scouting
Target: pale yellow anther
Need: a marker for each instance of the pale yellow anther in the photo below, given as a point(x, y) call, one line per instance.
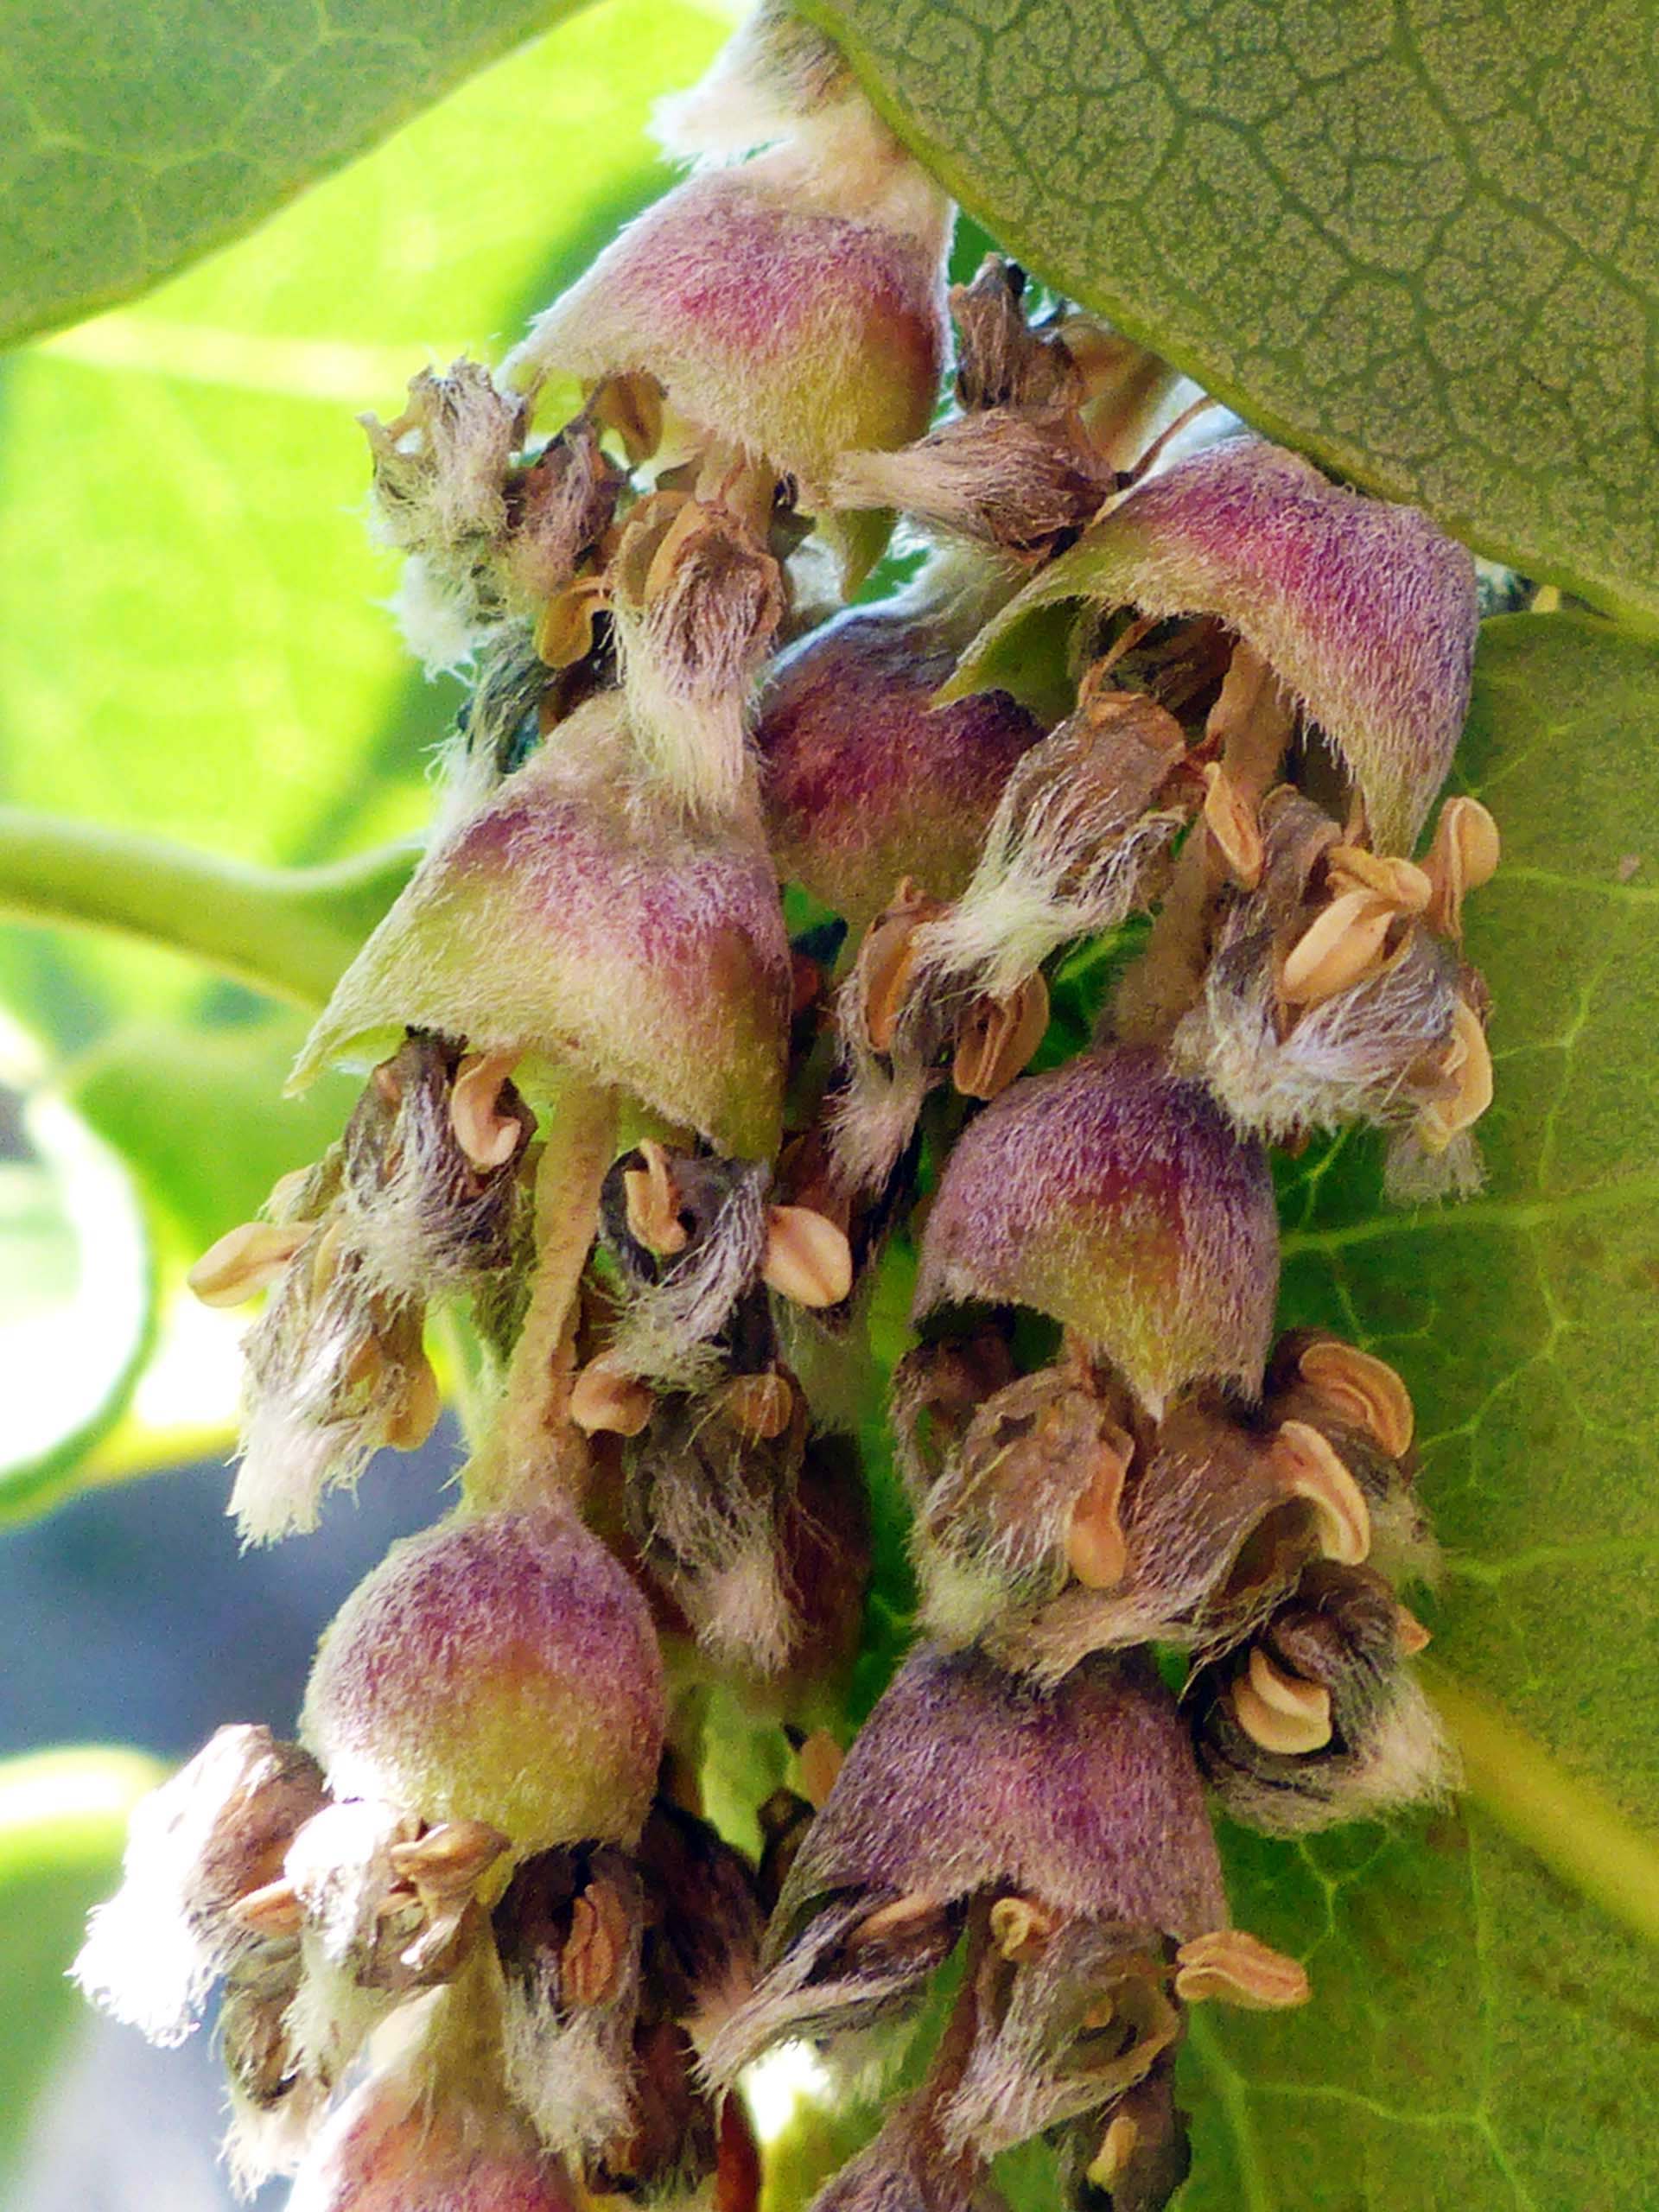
point(326, 1255)
point(694, 520)
point(591, 1962)
point(488, 1137)
point(271, 1911)
point(1361, 1389)
point(246, 1261)
point(1402, 884)
point(997, 1039)
point(1117, 2147)
point(1409, 1632)
point(817, 1763)
point(285, 1191)
point(897, 1919)
point(808, 1258)
point(762, 1406)
point(1343, 942)
point(632, 405)
point(564, 628)
point(414, 1416)
point(1230, 818)
point(1467, 1070)
point(1096, 1550)
point(1464, 856)
point(652, 1198)
point(1293, 1719)
point(1235, 1968)
point(1020, 1927)
point(1309, 1468)
point(604, 1403)
point(450, 1858)
point(887, 961)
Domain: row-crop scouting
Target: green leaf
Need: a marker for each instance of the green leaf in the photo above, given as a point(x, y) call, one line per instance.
point(1483, 2030)
point(137, 138)
point(63, 1819)
point(1415, 243)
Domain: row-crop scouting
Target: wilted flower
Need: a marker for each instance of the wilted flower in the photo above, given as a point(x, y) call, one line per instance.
point(558, 929)
point(1114, 1197)
point(1321, 1719)
point(1363, 611)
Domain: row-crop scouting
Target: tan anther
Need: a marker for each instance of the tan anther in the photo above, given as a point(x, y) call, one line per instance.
point(808, 1258)
point(1343, 943)
point(246, 1261)
point(1361, 1389)
point(817, 1763)
point(886, 960)
point(1278, 1711)
point(1230, 817)
point(730, 478)
point(385, 1080)
point(1467, 1070)
point(1117, 2147)
point(897, 1919)
point(1308, 1466)
point(326, 1255)
point(1464, 856)
point(591, 1962)
point(488, 1137)
point(997, 1039)
point(632, 405)
point(762, 1406)
point(1020, 1927)
point(271, 1911)
point(1237, 1969)
point(1402, 884)
point(414, 1416)
point(286, 1190)
point(1409, 1632)
point(653, 1202)
point(564, 628)
point(603, 1402)
point(1096, 1549)
point(450, 1858)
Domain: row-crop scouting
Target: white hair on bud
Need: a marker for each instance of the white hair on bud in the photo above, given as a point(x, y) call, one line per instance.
point(340, 1866)
point(155, 1949)
point(439, 615)
point(666, 1333)
point(693, 734)
point(772, 74)
point(263, 2140)
point(720, 1550)
point(569, 2069)
point(1415, 1176)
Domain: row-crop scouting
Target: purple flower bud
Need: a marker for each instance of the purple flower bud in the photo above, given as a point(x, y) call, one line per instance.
point(1115, 1197)
point(196, 1847)
point(1319, 1719)
point(558, 928)
point(1363, 610)
point(905, 2169)
point(963, 1780)
point(865, 780)
point(469, 1643)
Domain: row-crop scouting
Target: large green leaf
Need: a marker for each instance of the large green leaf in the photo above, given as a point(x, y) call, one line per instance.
point(63, 1819)
point(136, 138)
point(1483, 2033)
point(1417, 241)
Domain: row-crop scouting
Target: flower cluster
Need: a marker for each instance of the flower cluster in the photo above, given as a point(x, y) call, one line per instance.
point(1149, 682)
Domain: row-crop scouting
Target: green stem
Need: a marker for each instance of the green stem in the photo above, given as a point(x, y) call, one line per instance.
point(288, 932)
point(1576, 1830)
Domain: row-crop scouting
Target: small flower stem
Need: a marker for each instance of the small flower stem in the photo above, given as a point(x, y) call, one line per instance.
point(290, 932)
point(534, 1449)
point(1578, 1831)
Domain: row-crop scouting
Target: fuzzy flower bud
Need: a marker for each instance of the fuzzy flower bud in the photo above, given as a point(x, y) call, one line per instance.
point(790, 307)
point(1320, 1719)
point(469, 1643)
point(557, 928)
point(964, 1780)
point(1363, 611)
point(1114, 1197)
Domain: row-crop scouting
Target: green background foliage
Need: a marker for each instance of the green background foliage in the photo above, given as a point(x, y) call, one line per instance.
point(1410, 243)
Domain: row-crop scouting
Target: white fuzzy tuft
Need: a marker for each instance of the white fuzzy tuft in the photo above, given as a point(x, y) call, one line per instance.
point(666, 1332)
point(570, 2072)
point(438, 616)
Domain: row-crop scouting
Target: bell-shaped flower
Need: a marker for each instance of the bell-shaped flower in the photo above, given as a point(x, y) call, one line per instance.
point(1363, 612)
point(1115, 1197)
point(1319, 1717)
point(1336, 991)
point(563, 927)
point(789, 307)
point(965, 1781)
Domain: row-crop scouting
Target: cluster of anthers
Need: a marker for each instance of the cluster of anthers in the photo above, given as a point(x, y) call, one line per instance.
point(1153, 683)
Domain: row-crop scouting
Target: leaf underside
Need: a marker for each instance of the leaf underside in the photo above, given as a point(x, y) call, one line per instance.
point(1419, 241)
